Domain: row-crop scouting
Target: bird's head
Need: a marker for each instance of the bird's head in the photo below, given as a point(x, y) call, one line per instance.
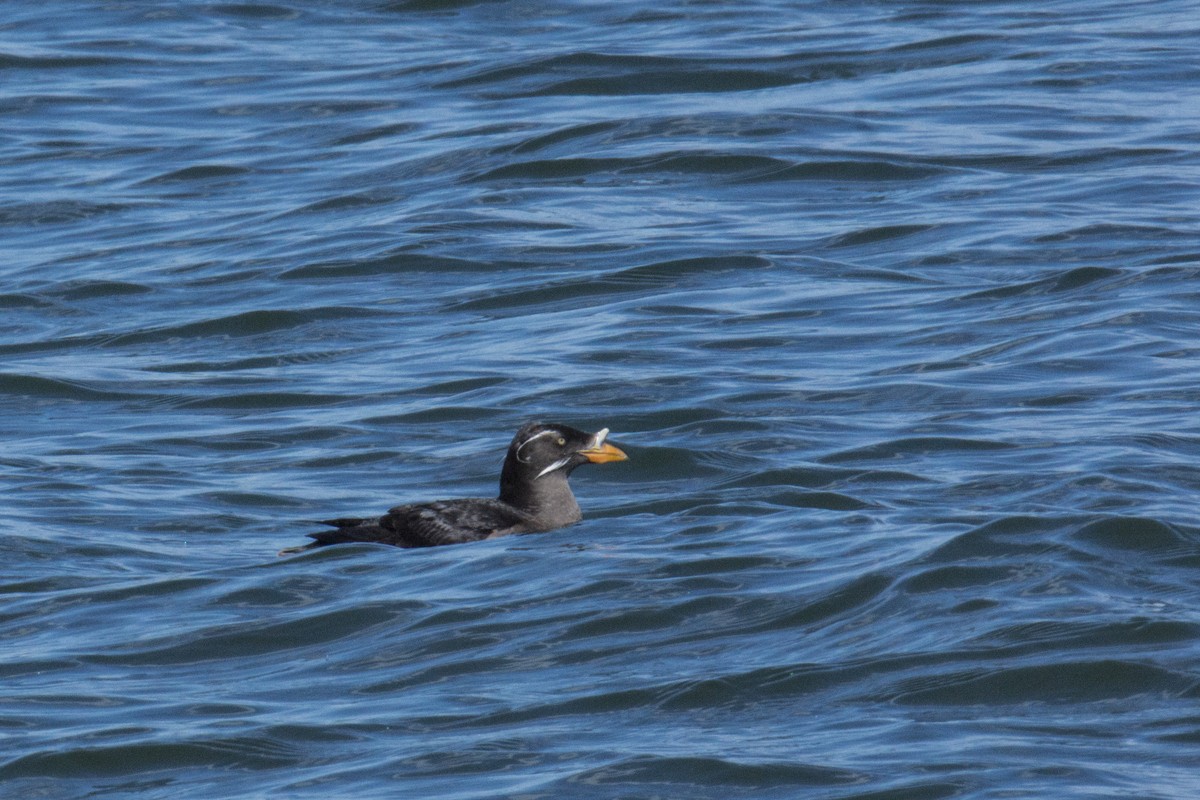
point(541, 451)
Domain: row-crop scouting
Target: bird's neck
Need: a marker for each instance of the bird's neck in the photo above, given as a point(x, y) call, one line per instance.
point(548, 500)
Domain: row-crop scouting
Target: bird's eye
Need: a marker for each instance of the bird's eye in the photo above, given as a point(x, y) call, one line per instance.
point(561, 441)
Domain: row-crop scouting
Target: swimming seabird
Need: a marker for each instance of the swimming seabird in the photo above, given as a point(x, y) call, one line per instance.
point(534, 496)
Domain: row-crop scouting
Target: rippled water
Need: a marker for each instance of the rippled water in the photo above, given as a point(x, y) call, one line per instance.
point(893, 305)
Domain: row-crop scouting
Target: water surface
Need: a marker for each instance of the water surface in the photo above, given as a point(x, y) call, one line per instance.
point(894, 306)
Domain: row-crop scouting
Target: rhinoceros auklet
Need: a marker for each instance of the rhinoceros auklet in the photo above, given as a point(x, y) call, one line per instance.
point(534, 496)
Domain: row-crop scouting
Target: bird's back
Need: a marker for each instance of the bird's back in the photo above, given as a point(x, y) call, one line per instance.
point(429, 524)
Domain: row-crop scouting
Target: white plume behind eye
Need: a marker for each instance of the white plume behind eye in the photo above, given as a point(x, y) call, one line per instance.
point(521, 446)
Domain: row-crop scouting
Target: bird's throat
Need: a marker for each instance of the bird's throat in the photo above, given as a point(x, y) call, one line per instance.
point(549, 501)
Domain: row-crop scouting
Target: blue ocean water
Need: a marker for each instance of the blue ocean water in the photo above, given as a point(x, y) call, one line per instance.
point(894, 306)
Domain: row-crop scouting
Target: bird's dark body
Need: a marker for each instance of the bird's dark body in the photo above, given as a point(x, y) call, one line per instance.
point(534, 496)
point(430, 524)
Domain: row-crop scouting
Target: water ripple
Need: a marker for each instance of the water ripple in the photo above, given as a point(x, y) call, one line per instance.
point(892, 305)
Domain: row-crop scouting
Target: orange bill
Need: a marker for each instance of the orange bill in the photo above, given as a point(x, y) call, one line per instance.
point(603, 453)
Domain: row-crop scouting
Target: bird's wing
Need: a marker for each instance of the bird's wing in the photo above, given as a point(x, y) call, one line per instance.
point(452, 522)
point(428, 524)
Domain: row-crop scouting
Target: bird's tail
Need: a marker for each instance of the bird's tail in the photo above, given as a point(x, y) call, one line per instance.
point(291, 551)
point(342, 527)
